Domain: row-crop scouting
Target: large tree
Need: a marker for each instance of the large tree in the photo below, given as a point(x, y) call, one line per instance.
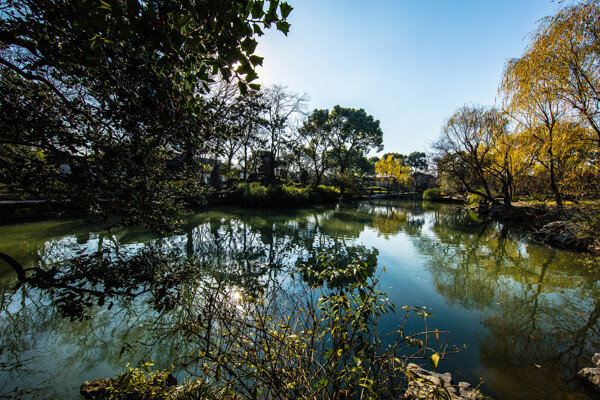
point(314, 143)
point(339, 139)
point(392, 170)
point(565, 49)
point(463, 151)
point(282, 107)
point(110, 88)
point(531, 100)
point(352, 133)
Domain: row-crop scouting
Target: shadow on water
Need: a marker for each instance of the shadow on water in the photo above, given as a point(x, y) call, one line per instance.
point(531, 311)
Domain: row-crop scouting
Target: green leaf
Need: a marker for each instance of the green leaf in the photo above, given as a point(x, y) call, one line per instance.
point(243, 69)
point(283, 26)
point(257, 30)
point(435, 358)
point(256, 86)
point(243, 88)
point(273, 4)
point(285, 10)
point(104, 5)
point(256, 60)
point(257, 9)
point(249, 45)
point(322, 382)
point(251, 76)
point(226, 72)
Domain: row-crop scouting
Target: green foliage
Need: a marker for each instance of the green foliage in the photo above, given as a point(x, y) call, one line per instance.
point(476, 199)
point(340, 139)
point(432, 194)
point(115, 89)
point(199, 389)
point(323, 194)
point(257, 195)
point(417, 161)
point(348, 182)
point(139, 383)
point(254, 193)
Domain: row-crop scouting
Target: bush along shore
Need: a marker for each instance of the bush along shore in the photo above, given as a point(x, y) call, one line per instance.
point(422, 384)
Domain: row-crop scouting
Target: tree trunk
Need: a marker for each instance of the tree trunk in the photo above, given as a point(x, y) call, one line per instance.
point(553, 185)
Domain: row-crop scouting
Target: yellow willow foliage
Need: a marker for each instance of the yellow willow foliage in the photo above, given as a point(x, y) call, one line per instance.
point(392, 171)
point(510, 156)
point(574, 160)
point(565, 50)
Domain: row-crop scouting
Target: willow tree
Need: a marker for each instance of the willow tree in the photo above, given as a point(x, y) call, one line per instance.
point(566, 49)
point(509, 157)
point(531, 100)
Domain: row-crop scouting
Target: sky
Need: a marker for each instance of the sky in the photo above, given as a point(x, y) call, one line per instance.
point(409, 63)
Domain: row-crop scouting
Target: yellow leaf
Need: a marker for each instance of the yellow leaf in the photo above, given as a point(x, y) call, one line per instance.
point(435, 358)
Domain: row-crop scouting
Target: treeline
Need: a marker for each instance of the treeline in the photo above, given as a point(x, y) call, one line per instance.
point(543, 140)
point(268, 135)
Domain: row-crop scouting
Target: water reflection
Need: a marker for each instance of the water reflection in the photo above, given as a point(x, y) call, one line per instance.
point(538, 306)
point(534, 309)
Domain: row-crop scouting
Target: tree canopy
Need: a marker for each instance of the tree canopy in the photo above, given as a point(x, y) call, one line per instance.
point(544, 140)
point(112, 89)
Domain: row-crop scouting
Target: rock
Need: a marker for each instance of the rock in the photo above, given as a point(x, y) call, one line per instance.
point(95, 389)
point(424, 384)
point(559, 233)
point(591, 376)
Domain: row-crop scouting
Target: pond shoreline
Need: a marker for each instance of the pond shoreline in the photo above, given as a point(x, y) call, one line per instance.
point(547, 225)
point(561, 228)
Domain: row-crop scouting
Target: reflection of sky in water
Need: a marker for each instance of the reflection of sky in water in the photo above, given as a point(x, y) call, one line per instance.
point(491, 288)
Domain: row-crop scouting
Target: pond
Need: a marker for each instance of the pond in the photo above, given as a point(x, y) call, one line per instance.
point(528, 313)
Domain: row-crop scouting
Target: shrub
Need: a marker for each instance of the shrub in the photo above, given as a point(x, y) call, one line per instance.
point(285, 195)
point(323, 194)
point(476, 199)
point(138, 383)
point(295, 196)
point(309, 343)
point(254, 194)
point(432, 194)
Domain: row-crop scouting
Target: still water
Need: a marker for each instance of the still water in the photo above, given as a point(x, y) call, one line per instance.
point(528, 313)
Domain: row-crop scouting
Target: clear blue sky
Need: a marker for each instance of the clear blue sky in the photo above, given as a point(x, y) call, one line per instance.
point(409, 63)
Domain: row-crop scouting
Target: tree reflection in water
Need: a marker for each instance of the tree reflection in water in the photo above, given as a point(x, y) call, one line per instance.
point(124, 289)
point(538, 307)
